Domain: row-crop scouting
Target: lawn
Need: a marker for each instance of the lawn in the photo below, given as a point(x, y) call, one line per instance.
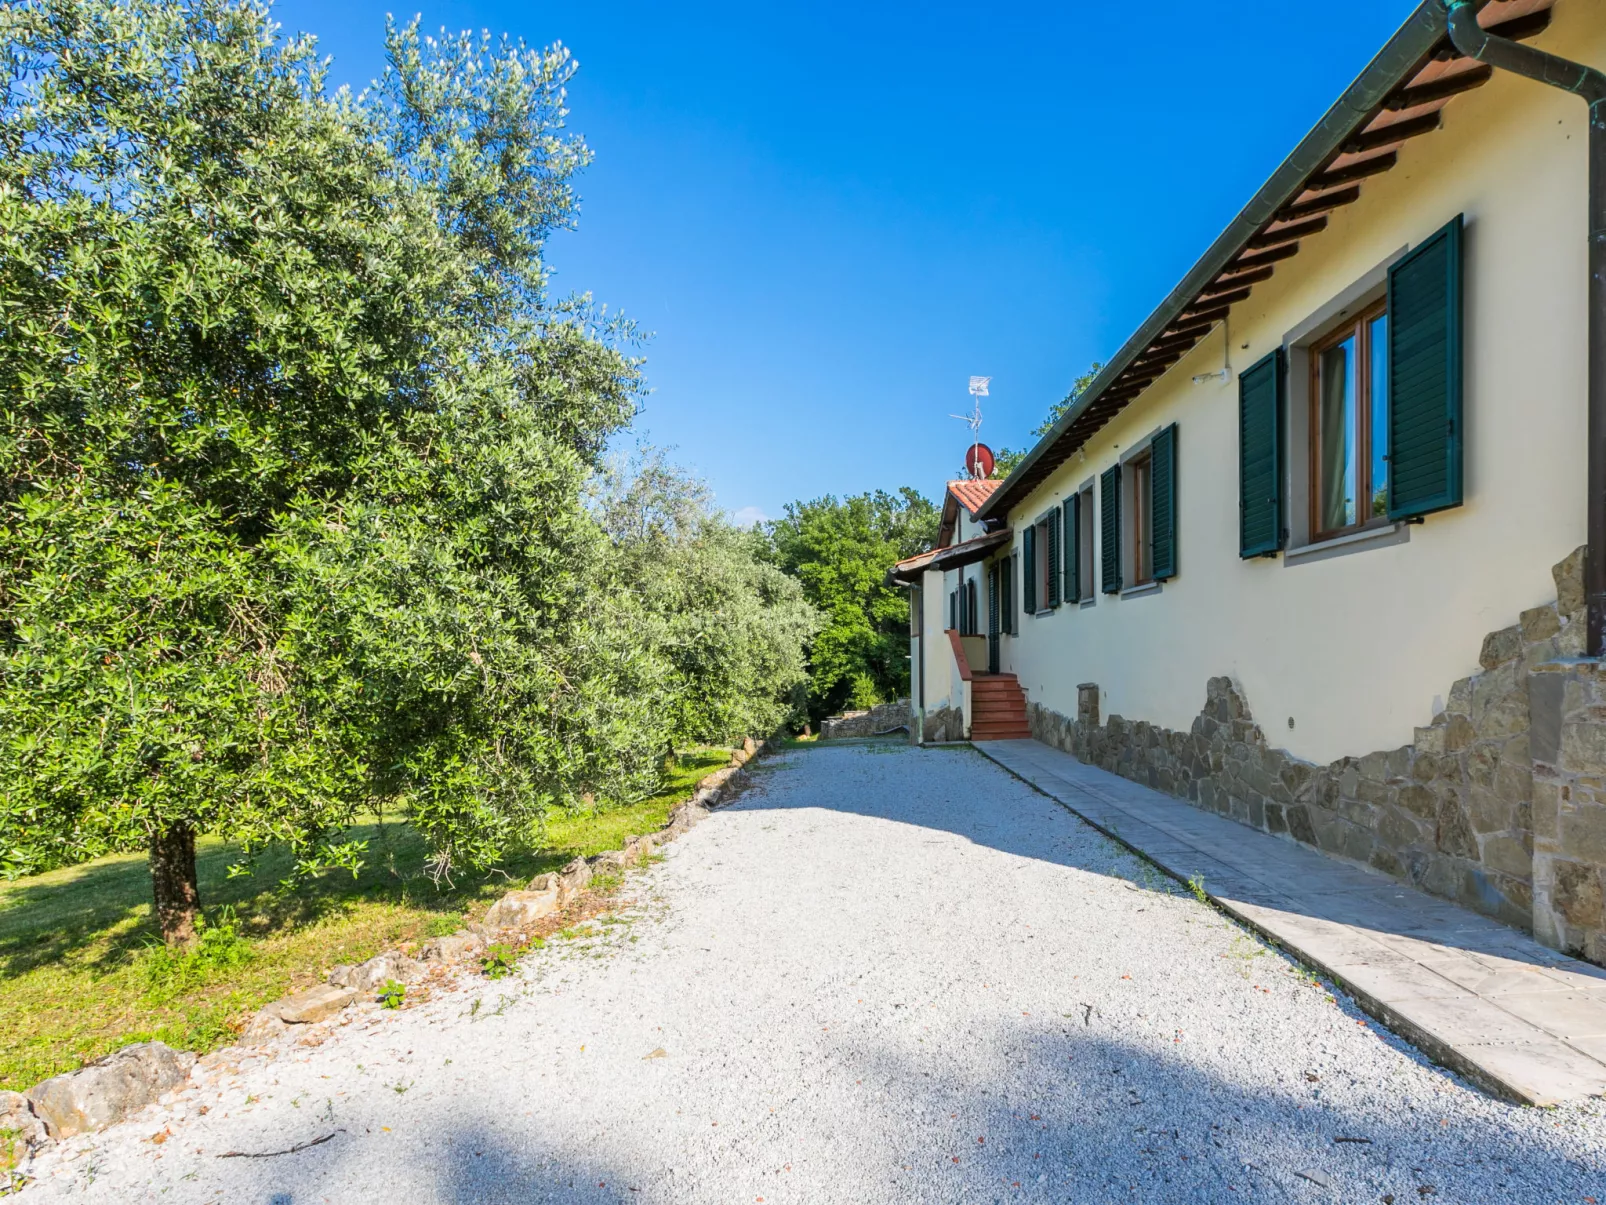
point(81, 973)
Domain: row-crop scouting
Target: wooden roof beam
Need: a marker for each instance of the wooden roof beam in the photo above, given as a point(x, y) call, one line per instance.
point(1259, 259)
point(1288, 234)
point(1229, 284)
point(1352, 172)
point(1323, 204)
point(1439, 89)
point(1413, 127)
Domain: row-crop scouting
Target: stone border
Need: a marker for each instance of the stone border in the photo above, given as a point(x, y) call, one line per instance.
point(113, 1088)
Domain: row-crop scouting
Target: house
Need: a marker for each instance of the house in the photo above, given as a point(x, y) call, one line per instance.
point(1310, 552)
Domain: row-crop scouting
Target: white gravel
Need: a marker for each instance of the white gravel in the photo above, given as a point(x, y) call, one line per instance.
point(886, 975)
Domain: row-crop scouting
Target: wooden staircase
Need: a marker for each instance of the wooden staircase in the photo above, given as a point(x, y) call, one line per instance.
point(997, 708)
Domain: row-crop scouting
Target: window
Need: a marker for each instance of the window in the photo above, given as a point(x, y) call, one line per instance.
point(1349, 426)
point(914, 610)
point(1138, 516)
point(1140, 520)
point(1006, 573)
point(972, 624)
point(1042, 541)
point(1084, 543)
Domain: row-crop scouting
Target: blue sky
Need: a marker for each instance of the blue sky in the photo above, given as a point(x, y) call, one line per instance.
point(830, 215)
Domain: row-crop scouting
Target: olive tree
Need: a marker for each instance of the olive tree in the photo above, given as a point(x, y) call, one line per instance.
point(290, 511)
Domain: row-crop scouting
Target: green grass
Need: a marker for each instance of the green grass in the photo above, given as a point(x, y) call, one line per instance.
point(82, 972)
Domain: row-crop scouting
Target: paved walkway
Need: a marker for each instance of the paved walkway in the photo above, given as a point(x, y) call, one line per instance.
point(1518, 1018)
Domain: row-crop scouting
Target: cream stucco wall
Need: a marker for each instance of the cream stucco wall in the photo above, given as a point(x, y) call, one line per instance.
point(1360, 648)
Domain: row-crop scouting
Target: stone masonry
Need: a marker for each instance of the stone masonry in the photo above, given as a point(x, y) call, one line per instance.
point(883, 717)
point(1567, 703)
point(1478, 809)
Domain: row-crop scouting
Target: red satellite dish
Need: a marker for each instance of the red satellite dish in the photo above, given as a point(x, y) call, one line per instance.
point(979, 461)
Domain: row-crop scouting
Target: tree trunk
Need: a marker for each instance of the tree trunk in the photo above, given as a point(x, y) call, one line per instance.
point(178, 895)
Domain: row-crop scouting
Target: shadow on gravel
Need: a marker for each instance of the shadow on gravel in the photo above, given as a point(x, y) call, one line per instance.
point(912, 792)
point(1072, 1115)
point(1062, 1114)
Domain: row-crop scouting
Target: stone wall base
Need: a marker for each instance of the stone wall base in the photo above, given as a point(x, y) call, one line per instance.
point(943, 724)
point(1468, 811)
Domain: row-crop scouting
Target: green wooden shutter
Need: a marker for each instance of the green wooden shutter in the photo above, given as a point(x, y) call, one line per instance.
point(1260, 457)
point(1163, 500)
point(1052, 530)
point(1006, 595)
point(1072, 522)
point(1424, 399)
point(1029, 563)
point(1110, 528)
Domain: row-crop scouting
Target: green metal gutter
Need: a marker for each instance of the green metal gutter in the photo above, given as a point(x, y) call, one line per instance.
point(1400, 58)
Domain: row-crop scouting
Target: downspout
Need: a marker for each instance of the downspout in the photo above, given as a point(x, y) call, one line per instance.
point(1472, 39)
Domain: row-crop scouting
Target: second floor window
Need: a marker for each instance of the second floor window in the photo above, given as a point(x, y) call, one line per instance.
point(1349, 426)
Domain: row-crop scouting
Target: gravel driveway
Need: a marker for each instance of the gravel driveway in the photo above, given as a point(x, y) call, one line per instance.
point(885, 975)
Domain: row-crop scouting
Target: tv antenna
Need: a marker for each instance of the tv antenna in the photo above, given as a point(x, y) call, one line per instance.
point(973, 461)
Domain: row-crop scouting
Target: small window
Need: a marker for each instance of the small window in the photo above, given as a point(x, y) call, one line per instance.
point(1084, 543)
point(1349, 426)
point(1140, 520)
point(1006, 600)
point(1045, 573)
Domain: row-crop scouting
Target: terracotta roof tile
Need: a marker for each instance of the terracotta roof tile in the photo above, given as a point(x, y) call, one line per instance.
point(971, 494)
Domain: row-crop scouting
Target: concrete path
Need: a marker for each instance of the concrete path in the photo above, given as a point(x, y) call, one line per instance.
point(1510, 1014)
point(885, 975)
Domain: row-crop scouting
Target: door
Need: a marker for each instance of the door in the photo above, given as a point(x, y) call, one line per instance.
point(992, 619)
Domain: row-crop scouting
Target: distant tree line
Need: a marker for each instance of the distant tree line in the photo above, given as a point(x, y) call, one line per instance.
point(840, 551)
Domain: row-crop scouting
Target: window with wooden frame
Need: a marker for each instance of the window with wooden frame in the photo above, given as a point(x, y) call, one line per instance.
point(1349, 423)
point(1139, 473)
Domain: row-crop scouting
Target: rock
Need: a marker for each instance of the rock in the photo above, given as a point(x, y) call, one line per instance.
point(95, 1096)
point(690, 814)
point(520, 909)
point(740, 757)
point(263, 1028)
point(545, 882)
point(1569, 577)
point(717, 779)
point(573, 878)
point(314, 1004)
point(637, 849)
point(369, 977)
point(1539, 623)
point(749, 746)
point(454, 947)
point(21, 1131)
point(611, 862)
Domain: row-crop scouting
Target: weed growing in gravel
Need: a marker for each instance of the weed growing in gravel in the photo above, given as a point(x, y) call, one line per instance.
point(499, 960)
point(607, 882)
point(392, 994)
point(1196, 885)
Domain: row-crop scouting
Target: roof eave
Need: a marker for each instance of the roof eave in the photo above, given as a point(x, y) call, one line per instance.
point(1422, 30)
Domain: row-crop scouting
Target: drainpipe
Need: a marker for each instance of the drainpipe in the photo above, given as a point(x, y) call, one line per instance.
point(1472, 39)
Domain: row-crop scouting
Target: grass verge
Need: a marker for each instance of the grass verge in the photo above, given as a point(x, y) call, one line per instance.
point(82, 971)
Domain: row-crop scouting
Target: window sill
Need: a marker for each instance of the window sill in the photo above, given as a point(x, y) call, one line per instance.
point(1380, 536)
point(1141, 591)
point(1091, 601)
